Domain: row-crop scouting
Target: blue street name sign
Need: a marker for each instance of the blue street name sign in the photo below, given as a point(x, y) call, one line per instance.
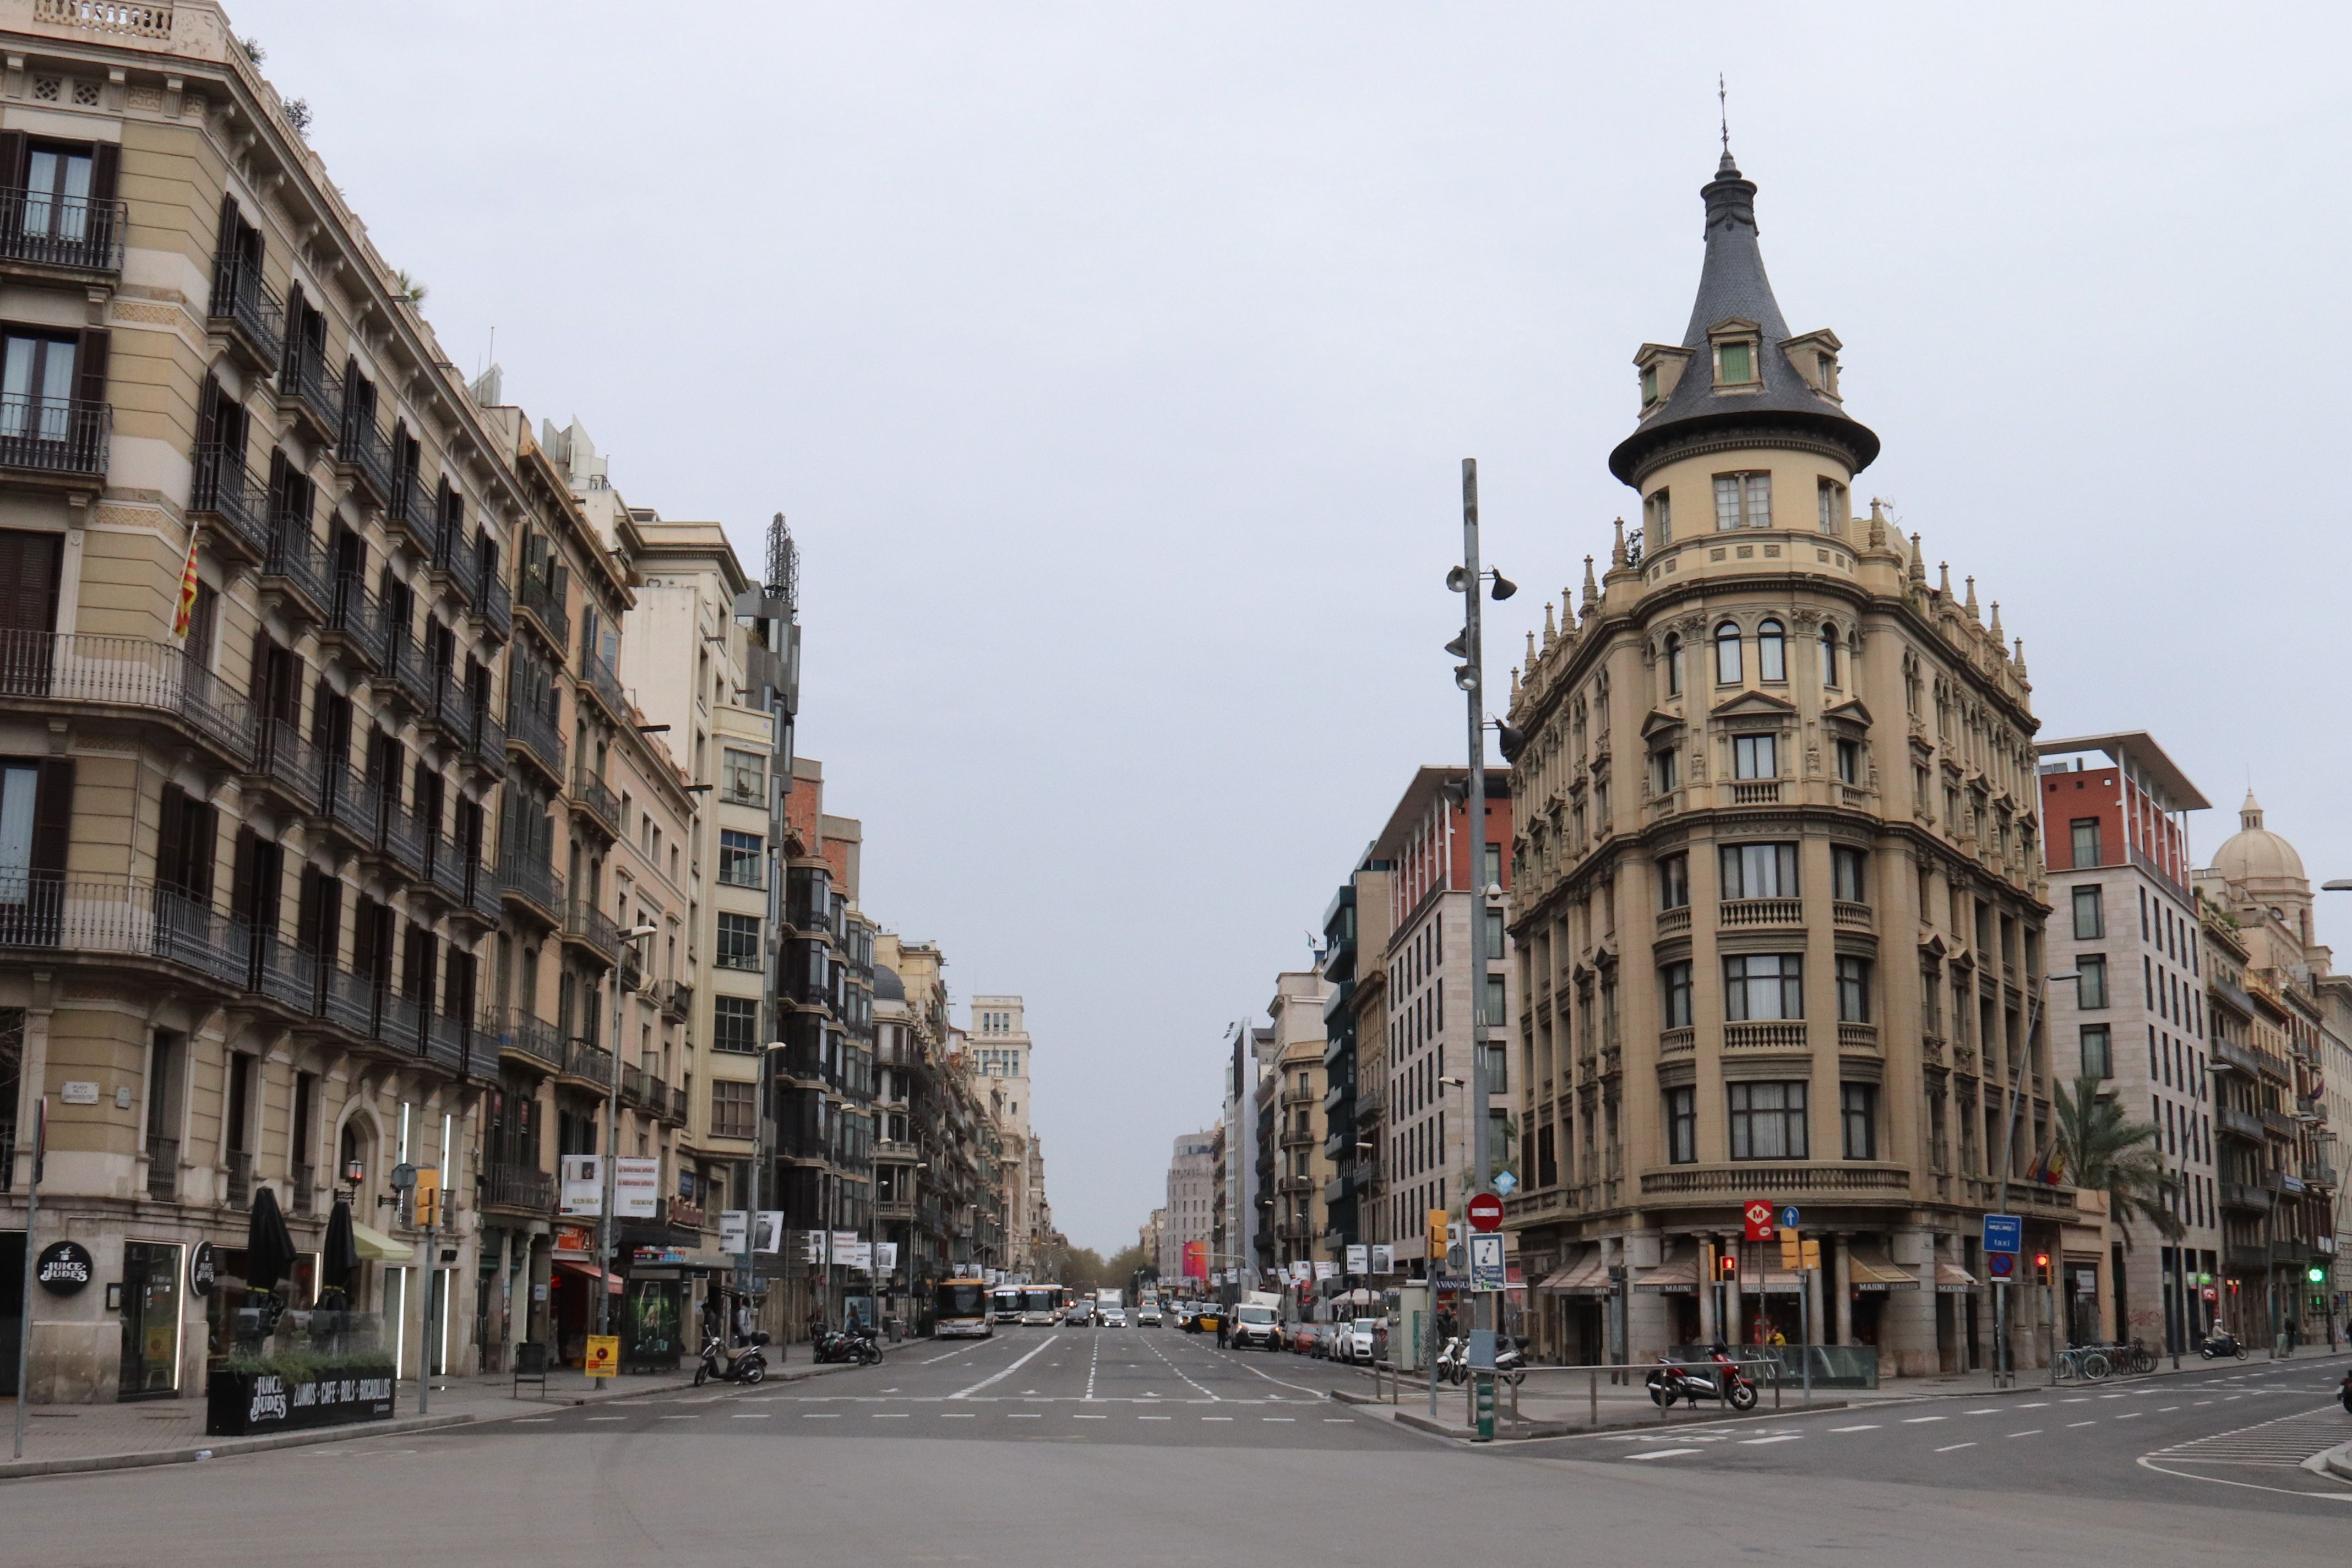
point(2004, 1232)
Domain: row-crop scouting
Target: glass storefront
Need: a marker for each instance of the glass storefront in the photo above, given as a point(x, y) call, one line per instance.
point(151, 1321)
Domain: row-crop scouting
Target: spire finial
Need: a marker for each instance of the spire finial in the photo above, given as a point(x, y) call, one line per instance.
point(1723, 112)
point(1591, 588)
point(1994, 631)
point(1617, 556)
point(1971, 606)
point(1918, 561)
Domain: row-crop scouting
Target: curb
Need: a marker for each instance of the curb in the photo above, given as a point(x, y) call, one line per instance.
point(2337, 1461)
point(224, 1447)
point(1538, 1431)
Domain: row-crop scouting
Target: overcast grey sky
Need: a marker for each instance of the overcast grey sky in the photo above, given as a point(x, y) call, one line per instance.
point(1114, 364)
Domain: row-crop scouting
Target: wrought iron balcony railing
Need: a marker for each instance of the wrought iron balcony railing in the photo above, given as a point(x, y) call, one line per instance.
point(224, 491)
point(127, 672)
point(62, 436)
point(248, 309)
point(71, 234)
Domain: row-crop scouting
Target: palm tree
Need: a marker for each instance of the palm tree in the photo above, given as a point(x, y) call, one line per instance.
point(2105, 1153)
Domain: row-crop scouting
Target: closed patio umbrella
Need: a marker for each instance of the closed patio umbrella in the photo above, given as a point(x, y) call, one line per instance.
point(269, 1246)
point(340, 1260)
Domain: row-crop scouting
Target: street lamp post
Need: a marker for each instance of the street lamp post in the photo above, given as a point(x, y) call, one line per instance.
point(629, 938)
point(1469, 579)
point(2002, 1370)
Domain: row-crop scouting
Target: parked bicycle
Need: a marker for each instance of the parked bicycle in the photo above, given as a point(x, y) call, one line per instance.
point(2086, 1365)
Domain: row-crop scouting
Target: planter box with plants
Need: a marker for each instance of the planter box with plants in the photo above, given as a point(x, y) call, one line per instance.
point(255, 1394)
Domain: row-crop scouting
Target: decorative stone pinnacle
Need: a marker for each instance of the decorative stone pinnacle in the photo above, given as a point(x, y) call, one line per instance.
point(1592, 587)
point(1997, 638)
point(1617, 551)
point(1918, 561)
point(1551, 634)
point(1944, 583)
point(1971, 606)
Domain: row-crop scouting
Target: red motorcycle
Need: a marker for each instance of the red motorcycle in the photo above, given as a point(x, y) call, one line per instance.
point(1718, 1378)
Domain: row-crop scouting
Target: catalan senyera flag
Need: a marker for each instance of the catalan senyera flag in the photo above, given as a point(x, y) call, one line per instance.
point(187, 609)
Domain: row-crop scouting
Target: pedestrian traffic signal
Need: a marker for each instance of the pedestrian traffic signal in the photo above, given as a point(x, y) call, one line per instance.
point(1730, 1265)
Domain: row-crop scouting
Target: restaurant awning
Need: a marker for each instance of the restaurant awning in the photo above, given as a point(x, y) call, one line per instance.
point(588, 1271)
point(374, 1246)
point(1868, 1269)
point(1678, 1274)
point(1951, 1280)
point(1588, 1275)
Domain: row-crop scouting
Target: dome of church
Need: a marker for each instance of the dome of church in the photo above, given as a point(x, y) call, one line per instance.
point(2254, 854)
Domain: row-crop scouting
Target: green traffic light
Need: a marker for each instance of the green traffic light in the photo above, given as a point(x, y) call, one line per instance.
point(2316, 1276)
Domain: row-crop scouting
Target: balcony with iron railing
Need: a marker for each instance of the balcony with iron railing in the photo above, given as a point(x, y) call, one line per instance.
point(518, 1188)
point(355, 620)
point(592, 930)
point(237, 1178)
point(676, 1001)
point(585, 1063)
point(495, 609)
point(599, 807)
point(516, 1031)
point(43, 233)
point(412, 511)
point(446, 863)
point(443, 1042)
point(248, 312)
point(531, 882)
point(54, 442)
point(97, 674)
point(485, 894)
point(162, 1169)
point(365, 453)
point(535, 735)
point(538, 598)
point(457, 560)
point(302, 1189)
point(413, 682)
point(287, 765)
point(311, 390)
point(295, 567)
point(236, 503)
point(601, 680)
point(484, 738)
point(95, 919)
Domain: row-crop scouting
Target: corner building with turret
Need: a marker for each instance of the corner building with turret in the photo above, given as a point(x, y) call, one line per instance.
point(1778, 898)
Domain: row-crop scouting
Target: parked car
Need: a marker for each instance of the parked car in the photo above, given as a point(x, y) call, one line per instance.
point(1357, 1342)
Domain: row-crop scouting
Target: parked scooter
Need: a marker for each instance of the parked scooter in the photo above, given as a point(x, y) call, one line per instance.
point(1717, 1378)
point(2221, 1344)
point(1510, 1361)
point(839, 1346)
point(746, 1362)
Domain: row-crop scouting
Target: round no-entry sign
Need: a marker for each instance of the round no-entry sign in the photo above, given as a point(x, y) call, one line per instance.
point(2212, 1292)
point(1485, 1211)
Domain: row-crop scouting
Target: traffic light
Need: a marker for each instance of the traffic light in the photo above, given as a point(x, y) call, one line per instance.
point(1729, 1263)
point(1792, 1251)
point(2042, 1266)
point(429, 1197)
point(2316, 1276)
point(1437, 1218)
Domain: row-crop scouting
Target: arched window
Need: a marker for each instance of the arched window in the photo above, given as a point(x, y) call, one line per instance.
point(1829, 655)
point(1674, 664)
point(1771, 662)
point(1726, 654)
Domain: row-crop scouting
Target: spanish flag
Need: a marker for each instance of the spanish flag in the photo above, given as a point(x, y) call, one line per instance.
point(187, 591)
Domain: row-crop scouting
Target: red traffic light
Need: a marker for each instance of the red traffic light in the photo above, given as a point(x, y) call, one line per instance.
point(1729, 1266)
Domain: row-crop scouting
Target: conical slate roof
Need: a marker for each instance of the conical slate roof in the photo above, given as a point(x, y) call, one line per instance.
point(1732, 285)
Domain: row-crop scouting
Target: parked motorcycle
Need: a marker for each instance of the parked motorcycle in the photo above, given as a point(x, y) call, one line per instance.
point(746, 1362)
point(839, 1346)
point(1717, 1378)
point(2220, 1344)
point(1510, 1361)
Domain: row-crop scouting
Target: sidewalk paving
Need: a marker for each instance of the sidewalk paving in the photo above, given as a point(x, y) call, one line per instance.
point(68, 1437)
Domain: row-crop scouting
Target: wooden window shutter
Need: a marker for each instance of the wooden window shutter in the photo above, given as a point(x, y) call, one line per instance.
point(90, 362)
point(240, 892)
point(53, 801)
point(207, 431)
point(12, 159)
point(231, 220)
point(105, 176)
point(171, 842)
point(305, 914)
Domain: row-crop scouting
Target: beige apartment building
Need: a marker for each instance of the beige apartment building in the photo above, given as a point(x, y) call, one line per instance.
point(1001, 1051)
point(1295, 1089)
point(243, 948)
point(1779, 897)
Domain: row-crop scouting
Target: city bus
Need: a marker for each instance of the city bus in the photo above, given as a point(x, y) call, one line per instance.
point(1004, 1304)
point(959, 1310)
point(1042, 1306)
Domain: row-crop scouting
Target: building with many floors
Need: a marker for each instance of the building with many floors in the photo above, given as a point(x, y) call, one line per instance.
point(1778, 899)
point(1189, 1216)
point(1355, 1054)
point(1293, 1094)
point(1442, 866)
point(2114, 815)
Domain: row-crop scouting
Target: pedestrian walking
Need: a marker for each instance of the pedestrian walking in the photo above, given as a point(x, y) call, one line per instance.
point(1222, 1331)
